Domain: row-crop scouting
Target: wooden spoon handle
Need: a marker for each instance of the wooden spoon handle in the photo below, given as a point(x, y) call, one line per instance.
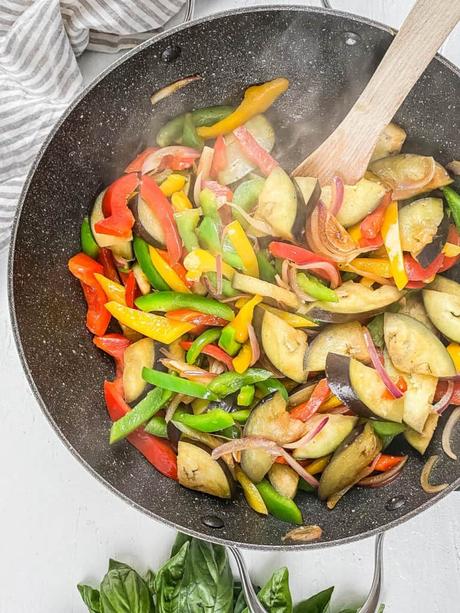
point(423, 32)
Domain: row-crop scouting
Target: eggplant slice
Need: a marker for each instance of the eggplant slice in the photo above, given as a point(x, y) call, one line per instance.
point(421, 440)
point(284, 346)
point(284, 479)
point(269, 420)
point(278, 205)
point(119, 246)
point(389, 142)
point(197, 470)
point(418, 223)
point(356, 301)
point(444, 311)
point(142, 353)
point(147, 225)
point(412, 305)
point(349, 460)
point(361, 389)
point(344, 339)
point(311, 191)
point(413, 348)
point(329, 438)
point(359, 200)
point(443, 284)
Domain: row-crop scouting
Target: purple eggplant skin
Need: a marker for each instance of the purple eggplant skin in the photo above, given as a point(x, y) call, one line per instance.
point(338, 379)
point(431, 251)
point(327, 317)
point(227, 404)
point(304, 210)
point(139, 229)
point(174, 435)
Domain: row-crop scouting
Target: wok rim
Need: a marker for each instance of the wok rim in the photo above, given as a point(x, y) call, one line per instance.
point(12, 310)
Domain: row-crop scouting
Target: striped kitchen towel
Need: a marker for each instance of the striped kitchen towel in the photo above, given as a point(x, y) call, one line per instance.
point(39, 75)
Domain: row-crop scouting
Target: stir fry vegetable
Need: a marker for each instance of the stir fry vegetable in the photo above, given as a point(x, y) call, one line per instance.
point(274, 336)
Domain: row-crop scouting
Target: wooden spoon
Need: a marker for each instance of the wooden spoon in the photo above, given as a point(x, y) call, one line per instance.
point(347, 151)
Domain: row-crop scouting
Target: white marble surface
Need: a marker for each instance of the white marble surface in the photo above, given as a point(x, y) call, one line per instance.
point(59, 525)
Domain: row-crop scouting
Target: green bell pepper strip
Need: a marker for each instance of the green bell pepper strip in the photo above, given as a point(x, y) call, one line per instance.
point(230, 256)
point(241, 416)
point(210, 115)
point(229, 382)
point(266, 269)
point(246, 196)
point(312, 286)
point(227, 341)
point(141, 251)
point(245, 396)
point(387, 428)
point(453, 202)
point(170, 301)
point(88, 244)
point(142, 412)
point(227, 290)
point(171, 132)
point(186, 222)
point(176, 384)
point(208, 204)
point(270, 386)
point(208, 235)
point(279, 506)
point(190, 137)
point(206, 338)
point(212, 421)
point(157, 426)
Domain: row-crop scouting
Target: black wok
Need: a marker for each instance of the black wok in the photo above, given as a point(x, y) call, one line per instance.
point(328, 58)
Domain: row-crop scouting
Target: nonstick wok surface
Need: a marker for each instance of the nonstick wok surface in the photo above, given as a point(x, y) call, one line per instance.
point(328, 58)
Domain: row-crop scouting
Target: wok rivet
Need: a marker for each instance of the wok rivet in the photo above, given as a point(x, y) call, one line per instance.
point(395, 503)
point(351, 38)
point(212, 521)
point(171, 53)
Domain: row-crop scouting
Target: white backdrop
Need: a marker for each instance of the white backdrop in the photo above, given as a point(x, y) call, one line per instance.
point(59, 526)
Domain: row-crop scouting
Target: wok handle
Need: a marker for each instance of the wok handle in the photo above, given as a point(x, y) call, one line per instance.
point(373, 598)
point(252, 601)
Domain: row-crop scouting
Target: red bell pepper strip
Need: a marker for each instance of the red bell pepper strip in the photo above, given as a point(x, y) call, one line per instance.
point(385, 462)
point(415, 272)
point(114, 345)
point(107, 261)
point(219, 160)
point(212, 351)
point(131, 290)
point(156, 450)
point(441, 389)
point(454, 238)
point(118, 217)
point(253, 151)
point(371, 242)
point(197, 318)
point(138, 162)
point(296, 254)
point(83, 268)
point(305, 410)
point(372, 224)
point(160, 205)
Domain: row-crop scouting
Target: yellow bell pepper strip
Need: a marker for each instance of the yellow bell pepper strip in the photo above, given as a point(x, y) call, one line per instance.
point(167, 273)
point(355, 232)
point(450, 250)
point(251, 493)
point(173, 183)
point(376, 266)
point(243, 248)
point(154, 326)
point(317, 466)
point(199, 261)
point(392, 242)
point(243, 319)
point(296, 321)
point(114, 291)
point(257, 99)
point(367, 282)
point(243, 359)
point(181, 202)
point(454, 352)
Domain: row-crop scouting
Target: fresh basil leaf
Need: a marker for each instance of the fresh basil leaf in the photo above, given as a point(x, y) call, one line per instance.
point(168, 580)
point(318, 603)
point(180, 540)
point(124, 591)
point(207, 584)
point(375, 327)
point(150, 581)
point(381, 608)
point(275, 595)
point(90, 597)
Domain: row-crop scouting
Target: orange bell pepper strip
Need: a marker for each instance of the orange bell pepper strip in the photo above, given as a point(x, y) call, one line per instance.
point(385, 462)
point(392, 242)
point(305, 410)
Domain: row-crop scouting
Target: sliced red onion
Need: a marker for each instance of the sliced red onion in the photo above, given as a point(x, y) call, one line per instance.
point(301, 295)
point(255, 348)
point(166, 91)
point(300, 470)
point(454, 378)
point(340, 410)
point(219, 276)
point(281, 283)
point(447, 433)
point(197, 188)
point(444, 401)
point(425, 477)
point(337, 194)
point(329, 269)
point(285, 271)
point(384, 478)
point(205, 163)
point(308, 436)
point(258, 224)
point(391, 387)
point(175, 402)
point(153, 161)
